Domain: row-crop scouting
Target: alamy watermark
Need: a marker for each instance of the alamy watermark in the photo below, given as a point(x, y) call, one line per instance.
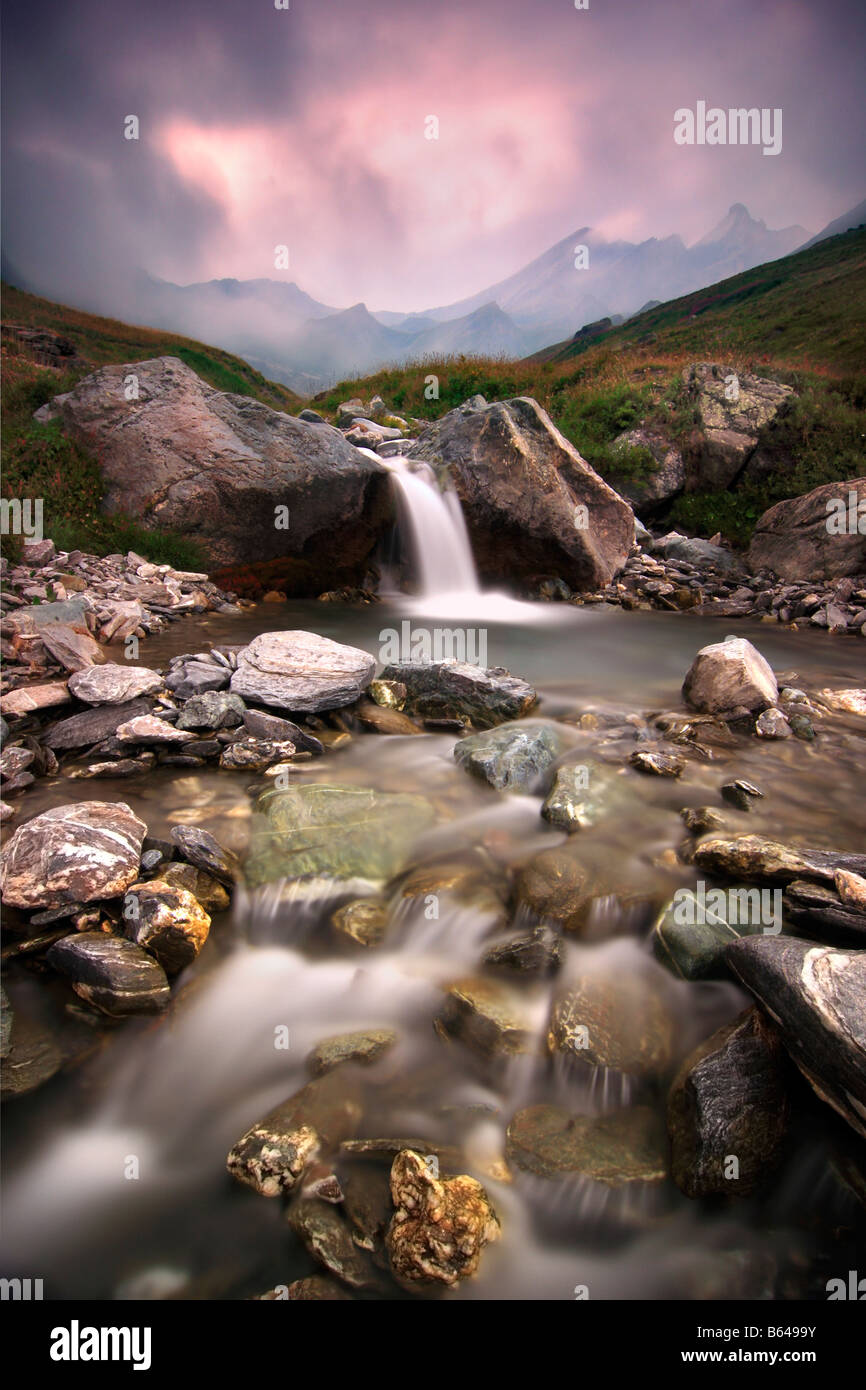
point(846, 516)
point(21, 517)
point(467, 644)
point(736, 126)
point(736, 907)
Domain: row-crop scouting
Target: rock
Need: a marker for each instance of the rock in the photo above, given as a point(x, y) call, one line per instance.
point(820, 912)
point(732, 408)
point(700, 553)
point(191, 678)
point(36, 554)
point(147, 728)
point(811, 537)
point(111, 973)
point(35, 697)
point(626, 1146)
point(13, 761)
point(312, 416)
point(692, 932)
point(701, 819)
point(729, 1100)
point(623, 1024)
point(112, 684)
point(523, 487)
point(740, 794)
point(276, 730)
point(93, 725)
point(344, 832)
point(767, 861)
point(364, 921)
point(647, 487)
point(350, 411)
point(570, 805)
point(816, 997)
point(119, 767)
point(851, 888)
point(256, 754)
point(214, 465)
point(538, 954)
point(316, 1288)
point(34, 1056)
point(729, 675)
point(72, 854)
point(554, 887)
point(844, 701)
point(513, 757)
point(272, 1155)
point(302, 671)
point(385, 720)
point(73, 648)
point(388, 694)
point(167, 921)
point(657, 764)
point(453, 688)
point(364, 1047)
point(488, 1017)
point(439, 1227)
point(212, 709)
point(328, 1239)
point(200, 848)
point(205, 889)
point(772, 724)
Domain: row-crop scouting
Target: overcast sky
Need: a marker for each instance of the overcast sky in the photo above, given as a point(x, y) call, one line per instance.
point(306, 127)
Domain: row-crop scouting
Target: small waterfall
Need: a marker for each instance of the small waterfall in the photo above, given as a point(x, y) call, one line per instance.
point(438, 540)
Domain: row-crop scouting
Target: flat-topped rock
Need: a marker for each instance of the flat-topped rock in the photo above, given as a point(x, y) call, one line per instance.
point(113, 684)
point(302, 671)
point(487, 696)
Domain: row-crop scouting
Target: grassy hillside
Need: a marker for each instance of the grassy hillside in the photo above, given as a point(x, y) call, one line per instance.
point(800, 320)
point(39, 461)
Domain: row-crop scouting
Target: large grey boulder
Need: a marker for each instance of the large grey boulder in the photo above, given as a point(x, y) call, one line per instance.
point(214, 465)
point(450, 689)
point(729, 675)
point(298, 670)
point(522, 485)
point(647, 489)
point(113, 684)
point(732, 409)
point(821, 535)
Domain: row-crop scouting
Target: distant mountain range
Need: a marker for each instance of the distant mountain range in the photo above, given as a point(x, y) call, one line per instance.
point(294, 339)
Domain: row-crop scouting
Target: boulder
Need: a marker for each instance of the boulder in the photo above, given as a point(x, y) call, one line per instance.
point(216, 466)
point(729, 675)
point(272, 1155)
point(488, 1016)
point(456, 688)
point(93, 725)
point(647, 488)
point(759, 860)
point(513, 757)
point(113, 974)
point(204, 888)
point(147, 728)
point(621, 1023)
point(439, 1227)
point(277, 730)
point(732, 410)
point(113, 684)
point(70, 646)
point(302, 671)
point(816, 997)
point(167, 921)
point(365, 1047)
point(78, 853)
point(729, 1100)
point(624, 1147)
point(820, 536)
point(212, 709)
point(198, 847)
point(523, 487)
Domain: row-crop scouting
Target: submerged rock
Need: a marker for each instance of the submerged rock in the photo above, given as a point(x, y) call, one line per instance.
point(572, 804)
point(364, 921)
point(621, 1023)
point(691, 934)
point(167, 921)
point(302, 671)
point(728, 1111)
point(623, 1147)
point(539, 954)
point(366, 1046)
point(816, 997)
point(111, 973)
point(72, 854)
point(513, 757)
point(439, 1227)
point(488, 1017)
point(657, 764)
point(345, 832)
point(453, 688)
point(729, 675)
point(555, 887)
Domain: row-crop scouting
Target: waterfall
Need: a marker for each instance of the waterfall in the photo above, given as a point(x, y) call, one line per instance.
point(436, 531)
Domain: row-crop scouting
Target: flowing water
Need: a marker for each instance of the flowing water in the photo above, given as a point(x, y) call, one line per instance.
point(116, 1179)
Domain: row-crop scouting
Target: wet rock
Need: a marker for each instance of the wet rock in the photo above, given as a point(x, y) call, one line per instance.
point(729, 675)
point(454, 688)
point(302, 671)
point(147, 728)
point(256, 754)
point(35, 697)
point(657, 764)
point(851, 888)
point(13, 761)
point(388, 694)
point(691, 934)
point(328, 1238)
point(198, 847)
point(626, 1146)
point(212, 709)
point(623, 1024)
point(367, 1204)
point(577, 798)
point(802, 727)
point(365, 1047)
point(772, 724)
point(820, 912)
point(34, 1056)
point(272, 1156)
point(93, 725)
point(345, 832)
point(6, 1017)
point(364, 921)
point(385, 720)
point(816, 997)
point(203, 887)
point(113, 684)
point(741, 794)
point(701, 819)
point(758, 860)
point(113, 974)
point(119, 767)
point(276, 730)
point(439, 1227)
point(72, 648)
point(72, 854)
point(844, 701)
point(729, 1101)
point(538, 955)
point(488, 1017)
point(167, 921)
point(512, 757)
point(555, 887)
